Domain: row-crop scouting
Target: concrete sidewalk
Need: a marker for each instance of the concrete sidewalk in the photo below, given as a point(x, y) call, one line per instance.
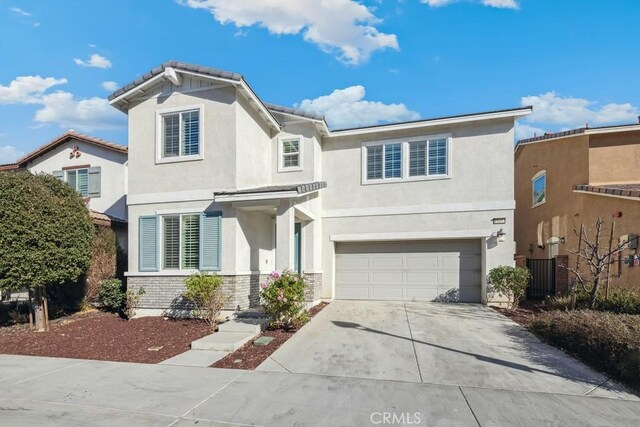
point(49, 391)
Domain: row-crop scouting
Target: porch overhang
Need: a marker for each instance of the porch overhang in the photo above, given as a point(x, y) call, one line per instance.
point(292, 191)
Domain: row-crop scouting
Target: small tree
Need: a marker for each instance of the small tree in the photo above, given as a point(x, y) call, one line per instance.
point(204, 292)
point(103, 262)
point(45, 235)
point(598, 258)
point(511, 282)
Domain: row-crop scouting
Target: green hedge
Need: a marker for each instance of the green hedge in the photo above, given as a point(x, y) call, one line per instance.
point(607, 341)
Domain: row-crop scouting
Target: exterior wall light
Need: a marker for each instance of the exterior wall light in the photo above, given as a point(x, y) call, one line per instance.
point(501, 235)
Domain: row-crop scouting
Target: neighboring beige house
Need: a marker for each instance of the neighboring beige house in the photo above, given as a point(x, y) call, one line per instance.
point(566, 179)
point(221, 181)
point(95, 167)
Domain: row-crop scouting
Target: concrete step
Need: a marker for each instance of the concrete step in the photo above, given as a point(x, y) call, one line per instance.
point(223, 341)
point(250, 313)
point(249, 325)
point(200, 358)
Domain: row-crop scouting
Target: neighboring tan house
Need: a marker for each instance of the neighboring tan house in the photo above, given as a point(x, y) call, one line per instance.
point(220, 181)
point(566, 179)
point(93, 166)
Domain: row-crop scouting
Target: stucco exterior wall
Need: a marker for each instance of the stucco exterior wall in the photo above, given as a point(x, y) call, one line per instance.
point(481, 170)
point(310, 154)
point(253, 147)
point(217, 168)
point(614, 158)
point(571, 161)
point(113, 171)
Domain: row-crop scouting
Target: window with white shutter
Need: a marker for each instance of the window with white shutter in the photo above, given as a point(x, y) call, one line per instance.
point(179, 135)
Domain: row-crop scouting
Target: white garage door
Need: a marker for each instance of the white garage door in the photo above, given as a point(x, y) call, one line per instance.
point(408, 271)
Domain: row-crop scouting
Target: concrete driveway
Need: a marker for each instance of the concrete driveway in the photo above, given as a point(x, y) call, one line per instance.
point(445, 344)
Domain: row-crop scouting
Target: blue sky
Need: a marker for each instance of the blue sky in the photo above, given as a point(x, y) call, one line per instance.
point(359, 62)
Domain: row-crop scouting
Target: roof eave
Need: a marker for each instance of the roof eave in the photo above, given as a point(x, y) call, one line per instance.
point(513, 113)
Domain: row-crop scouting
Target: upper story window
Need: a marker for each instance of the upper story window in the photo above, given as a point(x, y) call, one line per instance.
point(86, 181)
point(290, 154)
point(539, 188)
point(179, 134)
point(412, 159)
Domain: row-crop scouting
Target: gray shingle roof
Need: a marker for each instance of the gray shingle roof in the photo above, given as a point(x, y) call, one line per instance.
point(214, 72)
point(299, 188)
point(294, 111)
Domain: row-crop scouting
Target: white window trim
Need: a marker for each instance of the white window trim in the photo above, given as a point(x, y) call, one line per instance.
point(160, 130)
point(405, 159)
point(281, 167)
point(161, 241)
point(535, 177)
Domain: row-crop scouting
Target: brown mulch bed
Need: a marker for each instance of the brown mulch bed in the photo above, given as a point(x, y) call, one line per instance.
point(250, 356)
point(105, 336)
point(521, 315)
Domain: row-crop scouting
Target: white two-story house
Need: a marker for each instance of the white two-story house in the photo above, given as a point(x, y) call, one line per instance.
point(220, 181)
point(96, 168)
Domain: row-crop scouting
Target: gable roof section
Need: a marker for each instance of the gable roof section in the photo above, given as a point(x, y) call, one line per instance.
point(70, 134)
point(168, 70)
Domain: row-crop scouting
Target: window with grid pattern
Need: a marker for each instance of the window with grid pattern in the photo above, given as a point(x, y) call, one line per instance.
point(181, 134)
point(437, 156)
point(290, 153)
point(393, 160)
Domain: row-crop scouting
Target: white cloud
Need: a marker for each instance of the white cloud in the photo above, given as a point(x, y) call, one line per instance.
point(19, 11)
point(524, 130)
point(499, 4)
point(95, 60)
point(84, 114)
point(347, 108)
point(27, 89)
point(9, 154)
point(344, 28)
point(109, 85)
point(61, 107)
point(550, 108)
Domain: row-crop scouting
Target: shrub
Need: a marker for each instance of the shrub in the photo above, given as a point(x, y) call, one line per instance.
point(621, 301)
point(510, 281)
point(607, 341)
point(132, 302)
point(112, 295)
point(103, 262)
point(282, 298)
point(204, 292)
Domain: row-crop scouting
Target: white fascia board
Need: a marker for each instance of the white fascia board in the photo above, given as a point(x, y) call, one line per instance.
point(432, 123)
point(320, 124)
point(428, 235)
point(256, 196)
point(138, 88)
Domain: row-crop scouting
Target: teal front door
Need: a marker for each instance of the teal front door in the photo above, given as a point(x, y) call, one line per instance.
point(297, 247)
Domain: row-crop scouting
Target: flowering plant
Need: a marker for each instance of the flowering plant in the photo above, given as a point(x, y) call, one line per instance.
point(282, 298)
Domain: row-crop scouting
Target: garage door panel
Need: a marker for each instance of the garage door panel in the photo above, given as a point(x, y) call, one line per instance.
point(354, 277)
point(409, 270)
point(422, 277)
point(387, 293)
point(425, 262)
point(383, 262)
point(387, 277)
point(353, 262)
